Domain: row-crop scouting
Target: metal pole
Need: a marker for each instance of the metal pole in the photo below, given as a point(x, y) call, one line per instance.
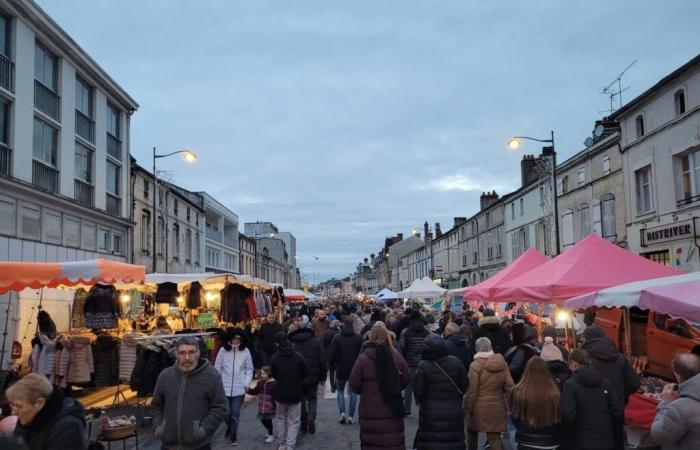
point(155, 215)
point(554, 193)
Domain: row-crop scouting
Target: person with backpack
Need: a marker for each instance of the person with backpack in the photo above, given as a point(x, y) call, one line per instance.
point(523, 349)
point(558, 369)
point(302, 339)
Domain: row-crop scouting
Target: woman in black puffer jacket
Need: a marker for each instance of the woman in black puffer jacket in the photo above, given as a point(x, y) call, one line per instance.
point(439, 384)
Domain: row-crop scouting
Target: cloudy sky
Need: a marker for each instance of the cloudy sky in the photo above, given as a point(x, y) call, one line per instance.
point(348, 121)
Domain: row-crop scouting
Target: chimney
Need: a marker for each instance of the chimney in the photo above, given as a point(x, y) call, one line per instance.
point(426, 229)
point(487, 199)
point(528, 172)
point(400, 236)
point(438, 231)
point(459, 221)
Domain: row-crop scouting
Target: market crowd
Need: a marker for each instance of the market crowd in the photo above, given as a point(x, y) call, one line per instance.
point(463, 374)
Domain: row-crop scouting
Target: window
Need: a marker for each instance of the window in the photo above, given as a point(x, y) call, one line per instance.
point(45, 142)
point(31, 222)
point(522, 206)
point(679, 102)
point(146, 232)
point(176, 242)
point(160, 197)
point(83, 97)
point(661, 257)
point(45, 67)
point(71, 231)
point(512, 210)
point(567, 221)
point(88, 236)
point(644, 190)
point(188, 214)
point(687, 171)
point(585, 220)
point(196, 219)
point(4, 121)
point(541, 195)
point(8, 218)
point(581, 176)
point(175, 207)
point(565, 184)
point(102, 240)
point(161, 233)
point(146, 188)
point(212, 257)
point(488, 219)
point(639, 124)
point(113, 178)
point(475, 257)
point(5, 35)
point(113, 126)
point(464, 260)
point(607, 212)
point(51, 227)
point(83, 163)
point(188, 246)
point(116, 243)
point(606, 164)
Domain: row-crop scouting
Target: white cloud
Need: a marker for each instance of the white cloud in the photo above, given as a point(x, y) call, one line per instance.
point(464, 182)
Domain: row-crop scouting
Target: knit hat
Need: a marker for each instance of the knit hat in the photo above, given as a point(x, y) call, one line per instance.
point(550, 352)
point(593, 332)
point(451, 328)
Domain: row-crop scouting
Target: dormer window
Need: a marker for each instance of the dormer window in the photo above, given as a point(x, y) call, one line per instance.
point(679, 101)
point(639, 123)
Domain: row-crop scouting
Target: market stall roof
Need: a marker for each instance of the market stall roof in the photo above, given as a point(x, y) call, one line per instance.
point(422, 288)
point(592, 264)
point(386, 294)
point(485, 290)
point(677, 296)
point(16, 276)
point(295, 295)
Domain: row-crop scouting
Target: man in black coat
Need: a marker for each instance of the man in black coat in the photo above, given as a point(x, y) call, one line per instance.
point(402, 322)
point(327, 339)
point(522, 351)
point(411, 344)
point(302, 339)
point(288, 369)
point(610, 363)
point(457, 345)
point(490, 327)
point(342, 354)
point(439, 384)
point(266, 337)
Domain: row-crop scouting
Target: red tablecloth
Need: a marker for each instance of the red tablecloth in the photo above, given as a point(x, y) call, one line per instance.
point(640, 411)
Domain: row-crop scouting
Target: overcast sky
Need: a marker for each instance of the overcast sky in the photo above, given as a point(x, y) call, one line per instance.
point(346, 122)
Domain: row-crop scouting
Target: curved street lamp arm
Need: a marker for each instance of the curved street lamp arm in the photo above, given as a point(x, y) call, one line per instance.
point(171, 154)
point(551, 141)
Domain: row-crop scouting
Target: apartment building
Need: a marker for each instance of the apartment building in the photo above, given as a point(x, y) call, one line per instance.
point(222, 253)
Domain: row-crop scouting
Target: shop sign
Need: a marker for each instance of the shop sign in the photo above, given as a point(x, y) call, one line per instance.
point(667, 233)
point(206, 320)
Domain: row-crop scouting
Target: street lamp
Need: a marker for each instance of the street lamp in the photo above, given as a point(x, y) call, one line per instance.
point(514, 143)
point(187, 155)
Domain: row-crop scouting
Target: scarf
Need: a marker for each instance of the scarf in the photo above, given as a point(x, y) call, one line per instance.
point(389, 380)
point(483, 355)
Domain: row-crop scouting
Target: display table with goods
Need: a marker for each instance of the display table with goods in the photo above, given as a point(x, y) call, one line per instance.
point(119, 429)
point(640, 412)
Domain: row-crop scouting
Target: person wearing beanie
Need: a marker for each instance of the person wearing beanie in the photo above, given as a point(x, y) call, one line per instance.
point(458, 345)
point(411, 345)
point(550, 331)
point(552, 355)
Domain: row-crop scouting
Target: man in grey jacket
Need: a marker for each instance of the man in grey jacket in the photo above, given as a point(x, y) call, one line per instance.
point(189, 401)
point(677, 422)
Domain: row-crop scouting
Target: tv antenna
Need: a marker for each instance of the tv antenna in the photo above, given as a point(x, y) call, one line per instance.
point(615, 89)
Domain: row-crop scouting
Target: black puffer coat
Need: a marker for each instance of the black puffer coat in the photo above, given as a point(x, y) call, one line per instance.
point(303, 341)
point(411, 342)
point(266, 336)
point(560, 373)
point(458, 347)
point(101, 308)
point(614, 367)
point(343, 352)
point(106, 358)
point(490, 327)
point(441, 423)
point(288, 369)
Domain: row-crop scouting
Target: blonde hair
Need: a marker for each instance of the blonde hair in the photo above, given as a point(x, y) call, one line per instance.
point(380, 335)
point(31, 388)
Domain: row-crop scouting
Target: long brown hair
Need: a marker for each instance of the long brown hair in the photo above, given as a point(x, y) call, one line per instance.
point(536, 397)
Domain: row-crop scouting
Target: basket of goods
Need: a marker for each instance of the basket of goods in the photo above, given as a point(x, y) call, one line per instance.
point(118, 427)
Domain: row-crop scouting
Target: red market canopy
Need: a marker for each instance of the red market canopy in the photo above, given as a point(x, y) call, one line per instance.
point(16, 276)
point(485, 290)
point(295, 295)
point(591, 265)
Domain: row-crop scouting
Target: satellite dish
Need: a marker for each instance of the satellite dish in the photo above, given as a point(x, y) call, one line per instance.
point(598, 130)
point(588, 142)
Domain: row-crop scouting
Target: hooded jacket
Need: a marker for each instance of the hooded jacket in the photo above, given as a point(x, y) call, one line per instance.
point(236, 369)
point(288, 369)
point(458, 347)
point(490, 327)
point(127, 355)
point(411, 342)
point(677, 424)
point(303, 342)
point(440, 420)
point(188, 407)
point(613, 366)
point(343, 352)
point(81, 363)
point(266, 336)
point(590, 411)
point(47, 355)
point(101, 307)
point(560, 372)
point(106, 356)
point(484, 404)
point(59, 425)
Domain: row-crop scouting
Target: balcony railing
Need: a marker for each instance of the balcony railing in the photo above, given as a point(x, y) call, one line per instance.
point(6, 72)
point(114, 205)
point(84, 126)
point(46, 100)
point(114, 147)
point(44, 176)
point(213, 235)
point(230, 241)
point(5, 160)
point(84, 192)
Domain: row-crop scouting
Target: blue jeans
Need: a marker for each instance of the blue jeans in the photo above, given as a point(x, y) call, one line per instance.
point(234, 414)
point(340, 395)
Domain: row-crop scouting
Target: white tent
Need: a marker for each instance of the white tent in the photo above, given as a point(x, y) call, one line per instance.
point(386, 294)
point(422, 288)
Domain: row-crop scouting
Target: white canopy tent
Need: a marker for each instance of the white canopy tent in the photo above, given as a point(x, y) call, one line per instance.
point(421, 289)
point(386, 294)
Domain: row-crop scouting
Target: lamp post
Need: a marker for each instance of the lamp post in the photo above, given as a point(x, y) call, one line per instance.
point(187, 155)
point(514, 143)
point(315, 272)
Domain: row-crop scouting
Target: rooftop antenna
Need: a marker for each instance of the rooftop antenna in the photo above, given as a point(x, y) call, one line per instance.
point(615, 89)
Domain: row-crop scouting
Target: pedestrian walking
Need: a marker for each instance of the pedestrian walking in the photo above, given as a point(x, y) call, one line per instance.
point(266, 337)
point(264, 388)
point(378, 377)
point(288, 369)
point(677, 421)
point(484, 405)
point(558, 369)
point(45, 419)
point(342, 354)
point(327, 339)
point(411, 345)
point(458, 345)
point(490, 327)
point(591, 412)
point(235, 365)
point(303, 341)
point(439, 385)
point(320, 325)
point(534, 405)
point(551, 332)
point(522, 350)
point(189, 402)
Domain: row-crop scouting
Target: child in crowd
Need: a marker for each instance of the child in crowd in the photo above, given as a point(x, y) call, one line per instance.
point(264, 389)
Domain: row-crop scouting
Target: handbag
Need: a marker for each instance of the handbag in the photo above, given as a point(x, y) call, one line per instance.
point(449, 378)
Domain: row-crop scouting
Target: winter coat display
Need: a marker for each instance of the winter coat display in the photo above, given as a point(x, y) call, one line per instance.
point(490, 327)
point(288, 369)
point(77, 312)
point(303, 342)
point(263, 305)
point(343, 352)
point(411, 342)
point(560, 373)
point(101, 307)
point(127, 355)
point(613, 366)
point(677, 424)
point(590, 411)
point(59, 425)
point(194, 296)
point(106, 356)
point(46, 356)
point(234, 308)
point(167, 293)
point(265, 390)
point(63, 360)
point(484, 404)
point(439, 397)
point(380, 427)
point(458, 347)
point(152, 359)
point(236, 369)
point(81, 364)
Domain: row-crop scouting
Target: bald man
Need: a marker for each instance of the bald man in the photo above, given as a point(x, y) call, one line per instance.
point(677, 421)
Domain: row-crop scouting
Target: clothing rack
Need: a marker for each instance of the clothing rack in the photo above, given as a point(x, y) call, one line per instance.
point(173, 336)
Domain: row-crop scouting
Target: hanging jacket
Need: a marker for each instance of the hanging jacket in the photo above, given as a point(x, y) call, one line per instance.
point(46, 356)
point(236, 369)
point(77, 312)
point(127, 355)
point(151, 360)
point(194, 296)
point(106, 356)
point(101, 307)
point(166, 292)
point(81, 363)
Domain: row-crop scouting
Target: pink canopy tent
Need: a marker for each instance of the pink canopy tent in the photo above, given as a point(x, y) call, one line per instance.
point(591, 265)
point(485, 290)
